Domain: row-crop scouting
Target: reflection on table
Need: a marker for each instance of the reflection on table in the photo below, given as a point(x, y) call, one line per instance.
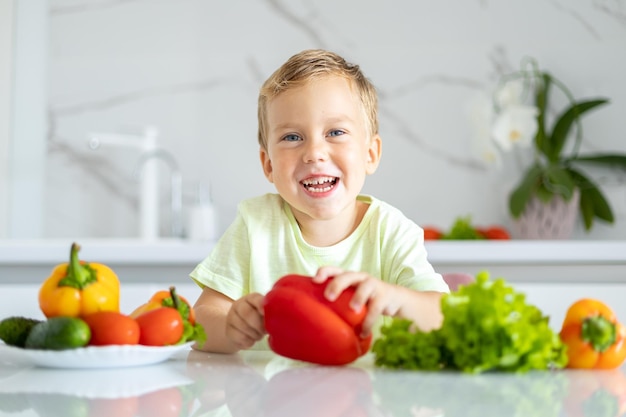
point(195, 384)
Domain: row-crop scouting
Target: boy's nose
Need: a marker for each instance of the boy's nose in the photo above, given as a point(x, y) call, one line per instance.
point(315, 150)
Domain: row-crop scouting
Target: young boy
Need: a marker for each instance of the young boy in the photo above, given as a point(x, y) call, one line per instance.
point(318, 136)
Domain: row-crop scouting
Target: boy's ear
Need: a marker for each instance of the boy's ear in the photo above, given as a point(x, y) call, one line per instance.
point(373, 154)
point(266, 163)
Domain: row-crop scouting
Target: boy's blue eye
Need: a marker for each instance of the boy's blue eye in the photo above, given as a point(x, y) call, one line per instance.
point(291, 138)
point(336, 133)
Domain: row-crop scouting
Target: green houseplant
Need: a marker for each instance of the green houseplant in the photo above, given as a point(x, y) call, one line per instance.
point(557, 167)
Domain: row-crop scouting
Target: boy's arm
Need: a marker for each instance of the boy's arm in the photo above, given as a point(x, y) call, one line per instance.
point(230, 325)
point(423, 308)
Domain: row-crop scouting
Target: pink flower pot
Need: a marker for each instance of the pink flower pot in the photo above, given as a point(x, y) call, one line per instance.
point(553, 220)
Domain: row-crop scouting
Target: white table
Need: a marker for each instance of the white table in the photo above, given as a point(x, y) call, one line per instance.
point(264, 384)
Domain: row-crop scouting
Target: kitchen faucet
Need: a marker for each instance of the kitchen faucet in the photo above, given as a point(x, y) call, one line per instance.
point(176, 187)
point(147, 172)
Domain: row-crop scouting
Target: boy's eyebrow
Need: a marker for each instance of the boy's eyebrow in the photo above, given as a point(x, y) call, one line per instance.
point(331, 119)
point(281, 126)
point(339, 118)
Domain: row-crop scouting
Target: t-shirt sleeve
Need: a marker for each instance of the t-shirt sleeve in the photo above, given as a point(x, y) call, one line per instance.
point(409, 265)
point(418, 274)
point(226, 268)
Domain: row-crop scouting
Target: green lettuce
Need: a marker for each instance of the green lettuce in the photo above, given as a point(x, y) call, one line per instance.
point(487, 326)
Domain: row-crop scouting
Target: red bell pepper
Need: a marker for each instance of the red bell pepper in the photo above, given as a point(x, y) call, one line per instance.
point(302, 324)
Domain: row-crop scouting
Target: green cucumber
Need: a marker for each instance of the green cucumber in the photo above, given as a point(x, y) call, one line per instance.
point(59, 333)
point(14, 330)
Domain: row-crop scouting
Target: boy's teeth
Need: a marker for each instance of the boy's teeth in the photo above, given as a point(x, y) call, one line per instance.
point(313, 184)
point(317, 181)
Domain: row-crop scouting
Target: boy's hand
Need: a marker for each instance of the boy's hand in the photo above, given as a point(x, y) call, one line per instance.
point(380, 297)
point(244, 321)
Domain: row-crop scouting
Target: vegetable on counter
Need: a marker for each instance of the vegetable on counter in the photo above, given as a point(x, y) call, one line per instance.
point(160, 327)
point(168, 299)
point(594, 337)
point(303, 325)
point(487, 326)
point(78, 288)
point(171, 321)
point(14, 330)
point(59, 333)
point(463, 229)
point(112, 328)
point(165, 298)
point(432, 233)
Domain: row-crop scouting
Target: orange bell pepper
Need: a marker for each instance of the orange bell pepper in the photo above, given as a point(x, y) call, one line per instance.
point(594, 337)
point(165, 298)
point(78, 288)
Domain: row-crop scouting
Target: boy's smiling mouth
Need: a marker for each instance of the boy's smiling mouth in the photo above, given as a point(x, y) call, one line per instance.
point(319, 184)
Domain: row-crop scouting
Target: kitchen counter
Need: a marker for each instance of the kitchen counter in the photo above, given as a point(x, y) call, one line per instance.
point(177, 251)
point(263, 384)
point(167, 260)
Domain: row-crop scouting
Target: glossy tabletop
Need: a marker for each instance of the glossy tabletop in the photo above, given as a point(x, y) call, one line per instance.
point(195, 384)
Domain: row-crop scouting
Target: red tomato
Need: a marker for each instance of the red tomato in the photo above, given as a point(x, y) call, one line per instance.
point(163, 298)
point(160, 327)
point(432, 233)
point(112, 328)
point(497, 233)
point(482, 231)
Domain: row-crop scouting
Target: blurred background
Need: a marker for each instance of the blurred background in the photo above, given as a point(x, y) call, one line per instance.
point(95, 93)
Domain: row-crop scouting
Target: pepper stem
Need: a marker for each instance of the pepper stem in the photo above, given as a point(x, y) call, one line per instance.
point(78, 275)
point(175, 299)
point(599, 332)
point(179, 304)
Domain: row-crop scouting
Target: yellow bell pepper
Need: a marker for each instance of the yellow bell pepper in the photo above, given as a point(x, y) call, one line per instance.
point(78, 288)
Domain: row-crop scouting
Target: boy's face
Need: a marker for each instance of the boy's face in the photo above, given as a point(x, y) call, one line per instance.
point(319, 150)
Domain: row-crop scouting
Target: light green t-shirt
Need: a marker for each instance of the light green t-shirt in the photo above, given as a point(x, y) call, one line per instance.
point(264, 243)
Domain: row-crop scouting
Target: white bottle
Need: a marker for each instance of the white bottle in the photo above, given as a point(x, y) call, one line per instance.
point(202, 218)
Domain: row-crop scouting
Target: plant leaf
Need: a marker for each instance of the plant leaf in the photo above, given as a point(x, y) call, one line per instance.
point(586, 209)
point(523, 192)
point(542, 193)
point(617, 160)
point(592, 202)
point(541, 101)
point(564, 123)
point(558, 180)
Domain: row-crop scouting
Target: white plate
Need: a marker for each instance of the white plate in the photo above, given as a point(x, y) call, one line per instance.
point(113, 356)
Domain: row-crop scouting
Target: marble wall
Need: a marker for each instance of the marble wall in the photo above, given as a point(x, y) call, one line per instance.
point(192, 68)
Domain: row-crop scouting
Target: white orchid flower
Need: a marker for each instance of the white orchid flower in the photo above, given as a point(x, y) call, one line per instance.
point(481, 114)
point(511, 93)
point(515, 125)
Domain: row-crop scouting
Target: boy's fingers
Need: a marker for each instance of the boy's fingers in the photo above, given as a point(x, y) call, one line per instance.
point(245, 320)
point(368, 323)
point(364, 292)
point(338, 284)
point(256, 301)
point(325, 272)
point(344, 280)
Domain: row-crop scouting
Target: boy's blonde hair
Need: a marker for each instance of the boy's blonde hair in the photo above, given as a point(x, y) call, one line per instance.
point(311, 64)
